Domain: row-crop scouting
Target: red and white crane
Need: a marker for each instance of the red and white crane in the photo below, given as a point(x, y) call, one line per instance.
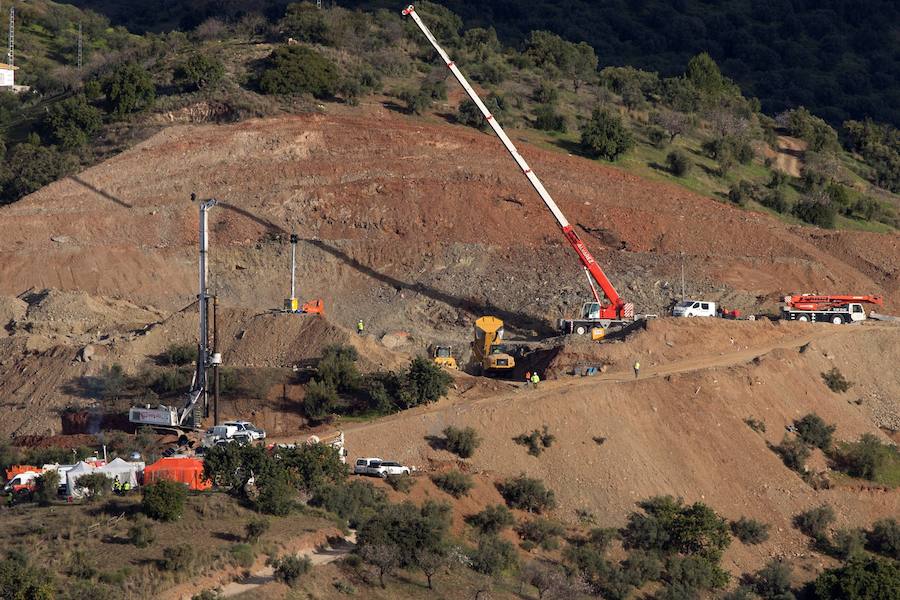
point(615, 311)
point(828, 308)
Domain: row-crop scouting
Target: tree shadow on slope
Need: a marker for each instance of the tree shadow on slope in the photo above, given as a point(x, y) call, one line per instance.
point(514, 321)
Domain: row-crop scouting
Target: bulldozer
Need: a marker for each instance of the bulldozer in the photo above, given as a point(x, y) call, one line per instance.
point(491, 356)
point(443, 357)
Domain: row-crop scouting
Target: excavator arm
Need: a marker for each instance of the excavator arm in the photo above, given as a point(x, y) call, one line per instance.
point(617, 308)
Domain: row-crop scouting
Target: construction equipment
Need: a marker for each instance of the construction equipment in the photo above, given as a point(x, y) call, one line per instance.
point(491, 356)
point(835, 309)
point(613, 313)
point(196, 405)
point(292, 304)
point(443, 357)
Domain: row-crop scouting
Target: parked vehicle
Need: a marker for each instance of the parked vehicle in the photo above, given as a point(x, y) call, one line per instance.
point(827, 308)
point(225, 434)
point(379, 468)
point(255, 433)
point(694, 308)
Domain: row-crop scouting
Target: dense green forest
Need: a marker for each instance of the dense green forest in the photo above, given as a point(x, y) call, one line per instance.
point(696, 127)
point(837, 58)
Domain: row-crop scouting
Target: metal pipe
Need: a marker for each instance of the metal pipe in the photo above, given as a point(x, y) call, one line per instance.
point(294, 240)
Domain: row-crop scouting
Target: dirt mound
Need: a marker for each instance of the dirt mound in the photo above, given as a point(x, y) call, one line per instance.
point(11, 310)
point(78, 313)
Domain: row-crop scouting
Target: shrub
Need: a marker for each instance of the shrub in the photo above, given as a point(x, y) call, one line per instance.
point(885, 538)
point(813, 431)
point(536, 441)
point(455, 483)
point(242, 555)
point(849, 542)
point(750, 531)
point(493, 556)
point(426, 381)
point(816, 211)
point(870, 459)
point(743, 192)
point(128, 89)
point(255, 529)
point(641, 567)
point(836, 381)
point(668, 526)
point(200, 71)
point(605, 136)
point(525, 493)
point(385, 557)
point(319, 401)
point(289, 569)
point(545, 93)
point(462, 442)
point(679, 163)
point(178, 558)
point(547, 119)
point(408, 528)
point(45, 487)
point(71, 123)
point(492, 519)
point(178, 355)
point(815, 522)
point(757, 425)
point(298, 70)
point(657, 136)
point(141, 534)
point(695, 572)
point(30, 167)
point(356, 501)
point(775, 200)
point(468, 113)
point(276, 493)
point(417, 102)
point(400, 483)
point(164, 500)
point(96, 484)
point(793, 454)
point(861, 578)
point(541, 531)
point(773, 582)
point(304, 22)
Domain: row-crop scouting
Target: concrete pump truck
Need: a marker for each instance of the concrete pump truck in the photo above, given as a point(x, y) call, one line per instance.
point(597, 316)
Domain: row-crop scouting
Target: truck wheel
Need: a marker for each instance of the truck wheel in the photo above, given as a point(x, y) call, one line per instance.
point(384, 475)
point(837, 320)
point(581, 330)
point(802, 318)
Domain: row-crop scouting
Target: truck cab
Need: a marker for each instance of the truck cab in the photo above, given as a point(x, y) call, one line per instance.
point(694, 308)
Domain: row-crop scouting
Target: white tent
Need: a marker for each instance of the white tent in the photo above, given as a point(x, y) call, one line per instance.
point(81, 468)
point(123, 471)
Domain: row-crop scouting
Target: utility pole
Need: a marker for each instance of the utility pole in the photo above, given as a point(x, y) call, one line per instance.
point(79, 47)
point(11, 53)
point(682, 275)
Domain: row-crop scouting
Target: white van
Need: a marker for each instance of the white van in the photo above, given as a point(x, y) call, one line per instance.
point(694, 308)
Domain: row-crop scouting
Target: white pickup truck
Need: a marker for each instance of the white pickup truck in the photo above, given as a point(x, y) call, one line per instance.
point(242, 432)
point(377, 467)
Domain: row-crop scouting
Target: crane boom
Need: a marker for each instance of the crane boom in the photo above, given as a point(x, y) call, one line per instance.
point(617, 308)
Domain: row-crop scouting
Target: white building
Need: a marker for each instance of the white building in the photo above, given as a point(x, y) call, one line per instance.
point(7, 76)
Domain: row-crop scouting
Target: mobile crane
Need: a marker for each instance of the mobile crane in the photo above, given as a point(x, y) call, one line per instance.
point(615, 312)
point(827, 308)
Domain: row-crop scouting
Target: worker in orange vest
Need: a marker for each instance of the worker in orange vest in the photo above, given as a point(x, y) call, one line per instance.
point(527, 378)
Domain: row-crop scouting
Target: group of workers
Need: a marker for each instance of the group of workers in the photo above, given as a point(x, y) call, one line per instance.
point(119, 488)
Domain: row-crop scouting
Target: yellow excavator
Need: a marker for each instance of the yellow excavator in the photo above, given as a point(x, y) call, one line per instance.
point(491, 356)
point(443, 357)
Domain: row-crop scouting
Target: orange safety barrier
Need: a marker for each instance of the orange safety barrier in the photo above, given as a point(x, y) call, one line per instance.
point(188, 471)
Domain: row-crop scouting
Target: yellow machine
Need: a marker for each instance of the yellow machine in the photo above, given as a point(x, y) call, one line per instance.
point(443, 357)
point(490, 354)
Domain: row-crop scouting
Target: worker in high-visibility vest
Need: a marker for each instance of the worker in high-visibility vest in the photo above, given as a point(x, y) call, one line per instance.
point(637, 369)
point(535, 379)
point(360, 327)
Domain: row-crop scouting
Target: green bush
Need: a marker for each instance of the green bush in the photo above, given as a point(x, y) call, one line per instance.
point(71, 123)
point(337, 367)
point(46, 486)
point(870, 459)
point(492, 520)
point(255, 529)
point(128, 89)
point(545, 93)
point(641, 567)
point(743, 192)
point(178, 355)
point(164, 500)
point(815, 522)
point(298, 70)
point(668, 526)
point(462, 442)
point(775, 200)
point(141, 534)
point(817, 133)
point(679, 163)
point(536, 441)
point(547, 119)
point(695, 572)
point(493, 556)
point(408, 528)
point(793, 454)
point(542, 532)
point(813, 431)
point(835, 381)
point(242, 555)
point(750, 531)
point(757, 425)
point(200, 71)
point(848, 542)
point(468, 113)
point(657, 136)
point(277, 493)
point(400, 483)
point(289, 569)
point(417, 101)
point(306, 23)
point(30, 167)
point(426, 382)
point(455, 483)
point(320, 400)
point(96, 485)
point(816, 211)
point(605, 136)
point(356, 501)
point(885, 538)
point(860, 578)
point(773, 582)
point(178, 558)
point(525, 493)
